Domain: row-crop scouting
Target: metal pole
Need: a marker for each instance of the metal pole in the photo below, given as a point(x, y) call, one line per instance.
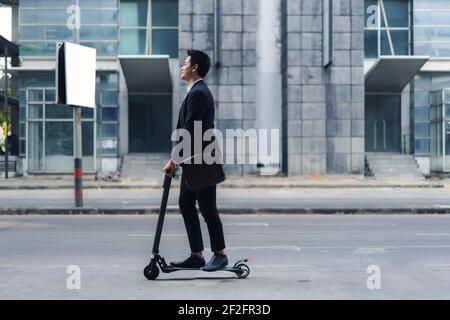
point(78, 164)
point(5, 111)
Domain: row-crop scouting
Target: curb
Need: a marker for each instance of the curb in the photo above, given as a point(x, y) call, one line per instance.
point(232, 186)
point(232, 211)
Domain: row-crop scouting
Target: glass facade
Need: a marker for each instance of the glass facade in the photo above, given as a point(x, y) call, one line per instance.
point(113, 27)
point(387, 27)
point(424, 85)
point(432, 28)
point(43, 23)
point(440, 131)
point(47, 129)
point(149, 27)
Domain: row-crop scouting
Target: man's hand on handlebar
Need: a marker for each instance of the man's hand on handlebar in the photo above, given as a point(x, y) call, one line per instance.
point(170, 167)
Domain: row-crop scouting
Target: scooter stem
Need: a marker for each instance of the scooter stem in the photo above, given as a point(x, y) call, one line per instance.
point(162, 213)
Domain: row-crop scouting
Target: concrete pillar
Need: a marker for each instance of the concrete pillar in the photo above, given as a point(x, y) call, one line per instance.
point(268, 83)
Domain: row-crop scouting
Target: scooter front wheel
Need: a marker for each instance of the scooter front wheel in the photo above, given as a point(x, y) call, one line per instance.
point(151, 272)
point(244, 271)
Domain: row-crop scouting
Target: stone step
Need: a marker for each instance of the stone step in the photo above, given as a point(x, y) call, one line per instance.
point(143, 166)
point(402, 166)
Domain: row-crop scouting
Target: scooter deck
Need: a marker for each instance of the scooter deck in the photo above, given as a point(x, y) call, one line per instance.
point(170, 269)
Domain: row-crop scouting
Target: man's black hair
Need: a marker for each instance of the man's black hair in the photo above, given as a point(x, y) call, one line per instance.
point(202, 60)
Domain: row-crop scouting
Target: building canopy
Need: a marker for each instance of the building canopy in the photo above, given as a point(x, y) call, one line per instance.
point(393, 73)
point(146, 74)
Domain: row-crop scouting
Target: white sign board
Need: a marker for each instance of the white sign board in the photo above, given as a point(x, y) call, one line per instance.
point(75, 75)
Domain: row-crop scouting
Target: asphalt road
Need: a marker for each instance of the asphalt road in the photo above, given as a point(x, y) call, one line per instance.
point(236, 198)
point(291, 257)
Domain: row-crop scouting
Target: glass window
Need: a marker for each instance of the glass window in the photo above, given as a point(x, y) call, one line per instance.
point(98, 33)
point(396, 13)
point(37, 48)
point(50, 96)
point(22, 146)
point(98, 3)
point(107, 80)
point(109, 98)
point(88, 138)
point(400, 42)
point(57, 111)
point(59, 138)
point(48, 16)
point(422, 146)
point(109, 114)
point(103, 48)
point(52, 3)
point(375, 28)
point(35, 111)
point(109, 129)
point(165, 42)
point(35, 95)
point(421, 114)
point(58, 146)
point(35, 146)
point(108, 146)
point(97, 16)
point(87, 113)
point(422, 82)
point(165, 13)
point(421, 130)
point(28, 80)
point(431, 4)
point(440, 81)
point(22, 130)
point(22, 97)
point(22, 114)
point(132, 41)
point(447, 111)
point(133, 13)
point(421, 98)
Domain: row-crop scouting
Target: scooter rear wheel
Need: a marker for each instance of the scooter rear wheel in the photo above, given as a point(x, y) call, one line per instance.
point(151, 272)
point(244, 271)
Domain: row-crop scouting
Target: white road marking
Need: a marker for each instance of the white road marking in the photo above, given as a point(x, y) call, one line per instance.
point(152, 235)
point(366, 250)
point(293, 248)
point(433, 234)
point(247, 224)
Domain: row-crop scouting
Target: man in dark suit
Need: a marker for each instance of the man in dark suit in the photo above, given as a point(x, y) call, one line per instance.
point(198, 105)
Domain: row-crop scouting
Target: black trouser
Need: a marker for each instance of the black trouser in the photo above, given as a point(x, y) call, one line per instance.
point(207, 204)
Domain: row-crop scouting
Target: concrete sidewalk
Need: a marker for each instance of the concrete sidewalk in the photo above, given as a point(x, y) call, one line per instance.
point(253, 201)
point(330, 181)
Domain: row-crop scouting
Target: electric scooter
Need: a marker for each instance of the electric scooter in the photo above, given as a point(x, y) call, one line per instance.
point(157, 262)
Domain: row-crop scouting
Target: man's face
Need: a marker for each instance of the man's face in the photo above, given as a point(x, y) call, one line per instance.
point(188, 70)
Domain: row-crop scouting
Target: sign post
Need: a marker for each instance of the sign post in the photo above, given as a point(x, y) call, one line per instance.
point(75, 83)
point(78, 159)
point(5, 111)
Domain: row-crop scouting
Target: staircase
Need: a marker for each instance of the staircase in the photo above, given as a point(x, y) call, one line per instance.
point(143, 167)
point(393, 166)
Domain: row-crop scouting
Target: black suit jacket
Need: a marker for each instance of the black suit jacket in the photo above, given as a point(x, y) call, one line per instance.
point(199, 106)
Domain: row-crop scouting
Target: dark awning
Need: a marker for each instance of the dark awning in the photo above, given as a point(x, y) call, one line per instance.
point(393, 73)
point(13, 49)
point(146, 74)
